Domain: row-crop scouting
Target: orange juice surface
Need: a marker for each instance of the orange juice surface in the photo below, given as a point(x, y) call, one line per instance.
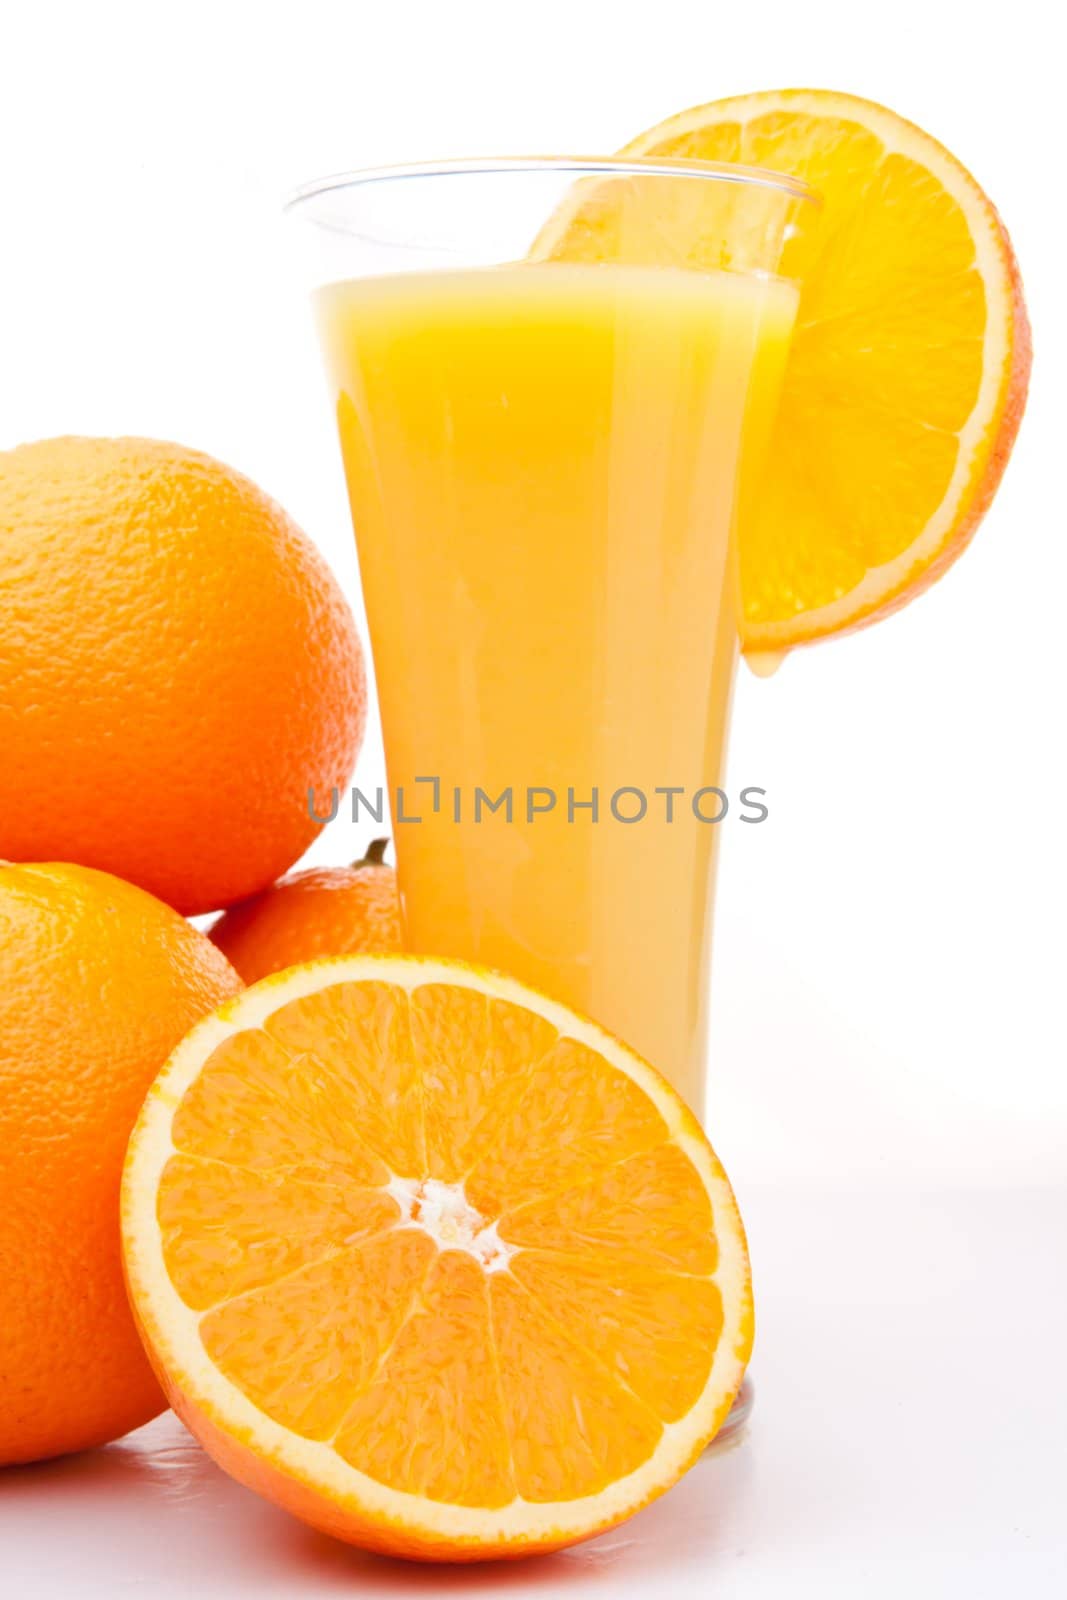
point(543, 462)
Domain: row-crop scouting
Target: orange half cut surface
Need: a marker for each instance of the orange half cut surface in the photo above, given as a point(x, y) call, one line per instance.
point(431, 1261)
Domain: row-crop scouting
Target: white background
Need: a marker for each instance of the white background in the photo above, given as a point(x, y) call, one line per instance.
point(889, 983)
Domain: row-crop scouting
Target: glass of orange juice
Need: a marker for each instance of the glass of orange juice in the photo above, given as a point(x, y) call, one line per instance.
point(554, 380)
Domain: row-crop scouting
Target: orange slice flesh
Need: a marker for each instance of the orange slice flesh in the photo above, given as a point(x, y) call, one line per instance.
point(909, 366)
point(432, 1262)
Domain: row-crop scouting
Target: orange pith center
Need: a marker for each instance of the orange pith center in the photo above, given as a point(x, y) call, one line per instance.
point(457, 1246)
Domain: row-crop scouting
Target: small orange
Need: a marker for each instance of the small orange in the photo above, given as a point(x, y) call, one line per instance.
point(910, 362)
point(98, 982)
point(178, 669)
point(323, 911)
point(431, 1261)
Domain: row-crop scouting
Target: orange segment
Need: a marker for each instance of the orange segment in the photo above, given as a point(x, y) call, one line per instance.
point(432, 1423)
point(575, 1428)
point(432, 1261)
point(451, 1027)
point(910, 360)
point(227, 1229)
point(354, 1045)
point(304, 1349)
point(653, 1206)
point(650, 1329)
point(607, 1118)
point(257, 1105)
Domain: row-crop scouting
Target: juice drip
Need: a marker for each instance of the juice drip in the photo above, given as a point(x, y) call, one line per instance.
point(764, 663)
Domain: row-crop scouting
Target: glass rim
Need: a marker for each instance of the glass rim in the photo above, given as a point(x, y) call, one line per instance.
point(577, 166)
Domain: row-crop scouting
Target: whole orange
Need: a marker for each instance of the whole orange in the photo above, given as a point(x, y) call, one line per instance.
point(98, 983)
point(323, 911)
point(178, 669)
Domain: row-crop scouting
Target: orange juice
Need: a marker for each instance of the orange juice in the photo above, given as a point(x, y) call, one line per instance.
point(544, 463)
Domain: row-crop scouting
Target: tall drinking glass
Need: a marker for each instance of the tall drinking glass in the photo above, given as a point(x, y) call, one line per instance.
point(554, 383)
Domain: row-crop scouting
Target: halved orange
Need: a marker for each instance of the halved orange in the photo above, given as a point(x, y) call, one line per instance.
point(431, 1261)
point(909, 367)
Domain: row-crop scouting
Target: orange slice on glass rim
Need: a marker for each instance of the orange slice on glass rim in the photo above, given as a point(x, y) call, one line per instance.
point(432, 1262)
point(909, 366)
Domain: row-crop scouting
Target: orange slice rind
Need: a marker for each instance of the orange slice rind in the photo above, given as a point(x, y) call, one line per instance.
point(909, 367)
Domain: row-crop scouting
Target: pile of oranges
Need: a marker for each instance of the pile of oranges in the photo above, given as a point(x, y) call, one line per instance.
point(177, 666)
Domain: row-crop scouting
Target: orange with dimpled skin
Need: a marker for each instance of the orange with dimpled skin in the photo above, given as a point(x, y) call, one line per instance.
point(178, 669)
point(98, 983)
point(322, 911)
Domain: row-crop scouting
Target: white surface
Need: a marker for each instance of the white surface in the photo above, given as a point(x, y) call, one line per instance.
point(909, 1438)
